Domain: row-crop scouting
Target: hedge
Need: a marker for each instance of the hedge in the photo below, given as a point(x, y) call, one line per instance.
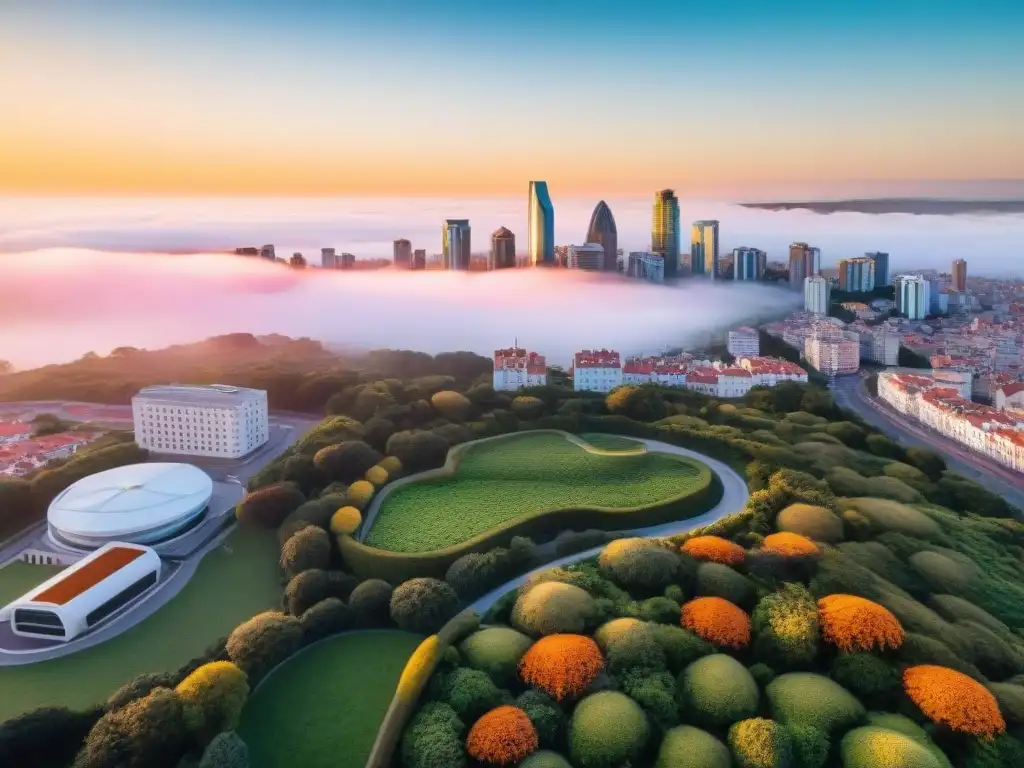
point(717, 690)
point(804, 698)
point(607, 729)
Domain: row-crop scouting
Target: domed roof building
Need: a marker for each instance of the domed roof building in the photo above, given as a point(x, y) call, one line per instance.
point(602, 230)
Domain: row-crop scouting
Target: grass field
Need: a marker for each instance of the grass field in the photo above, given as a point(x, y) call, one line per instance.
point(502, 480)
point(611, 442)
point(227, 588)
point(322, 709)
point(18, 577)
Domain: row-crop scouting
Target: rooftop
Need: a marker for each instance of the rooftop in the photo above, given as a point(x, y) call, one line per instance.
point(209, 394)
point(74, 581)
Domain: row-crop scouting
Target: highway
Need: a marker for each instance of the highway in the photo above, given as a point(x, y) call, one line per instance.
point(850, 394)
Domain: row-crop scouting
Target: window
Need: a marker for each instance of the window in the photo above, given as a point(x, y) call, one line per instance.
point(122, 598)
point(38, 622)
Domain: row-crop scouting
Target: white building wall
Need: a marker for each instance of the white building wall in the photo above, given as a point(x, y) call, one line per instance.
point(744, 344)
point(596, 379)
point(817, 292)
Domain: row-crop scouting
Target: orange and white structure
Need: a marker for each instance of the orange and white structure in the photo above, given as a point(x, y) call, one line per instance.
point(515, 368)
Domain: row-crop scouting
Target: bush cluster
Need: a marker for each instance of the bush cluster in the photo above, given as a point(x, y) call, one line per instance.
point(562, 666)
point(785, 626)
point(854, 624)
point(715, 549)
point(950, 698)
point(718, 621)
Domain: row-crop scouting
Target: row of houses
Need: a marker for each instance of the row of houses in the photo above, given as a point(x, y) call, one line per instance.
point(20, 453)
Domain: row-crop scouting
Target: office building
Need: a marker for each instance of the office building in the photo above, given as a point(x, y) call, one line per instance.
point(267, 252)
point(540, 226)
point(817, 295)
point(328, 258)
point(589, 257)
point(704, 249)
point(455, 244)
point(602, 230)
point(346, 261)
point(599, 370)
point(744, 342)
point(804, 262)
point(503, 249)
point(857, 275)
point(912, 296)
point(646, 266)
point(515, 368)
point(297, 261)
point(402, 253)
point(419, 258)
point(881, 268)
point(960, 275)
point(748, 263)
point(665, 231)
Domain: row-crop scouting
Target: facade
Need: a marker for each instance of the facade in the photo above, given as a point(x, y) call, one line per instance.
point(744, 342)
point(589, 256)
point(704, 248)
point(913, 299)
point(419, 259)
point(346, 261)
point(833, 351)
point(267, 252)
point(540, 226)
point(599, 370)
point(881, 268)
point(959, 275)
point(804, 262)
point(880, 345)
point(138, 503)
point(328, 258)
point(817, 295)
point(1010, 397)
point(455, 244)
point(515, 368)
point(215, 420)
point(402, 253)
point(647, 266)
point(748, 263)
point(86, 594)
point(714, 379)
point(602, 230)
point(665, 231)
point(857, 275)
point(503, 249)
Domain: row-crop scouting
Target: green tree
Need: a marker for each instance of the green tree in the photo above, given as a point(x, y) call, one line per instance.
point(213, 697)
point(418, 449)
point(269, 506)
point(150, 731)
point(263, 642)
point(346, 462)
point(423, 605)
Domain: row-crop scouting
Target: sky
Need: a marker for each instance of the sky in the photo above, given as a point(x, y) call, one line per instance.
point(737, 98)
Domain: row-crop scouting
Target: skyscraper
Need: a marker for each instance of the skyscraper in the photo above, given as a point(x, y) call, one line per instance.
point(402, 253)
point(665, 230)
point(704, 248)
point(912, 296)
point(804, 261)
point(419, 259)
point(540, 233)
point(328, 258)
point(748, 263)
point(857, 275)
point(881, 268)
point(960, 275)
point(503, 249)
point(455, 246)
point(602, 230)
point(817, 294)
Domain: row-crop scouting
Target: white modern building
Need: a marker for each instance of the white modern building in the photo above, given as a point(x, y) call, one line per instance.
point(598, 370)
point(589, 256)
point(515, 368)
point(913, 296)
point(214, 420)
point(817, 294)
point(86, 594)
point(744, 342)
point(646, 265)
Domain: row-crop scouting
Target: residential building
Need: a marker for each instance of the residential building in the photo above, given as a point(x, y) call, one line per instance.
point(298, 261)
point(402, 253)
point(267, 252)
point(804, 262)
point(665, 231)
point(419, 259)
point(881, 268)
point(833, 351)
point(14, 432)
point(455, 244)
point(602, 230)
point(817, 295)
point(857, 275)
point(704, 248)
point(589, 256)
point(912, 296)
point(598, 370)
point(347, 260)
point(328, 258)
point(540, 233)
point(744, 342)
point(748, 263)
point(215, 420)
point(1010, 397)
point(880, 345)
point(515, 368)
point(647, 266)
point(503, 249)
point(959, 275)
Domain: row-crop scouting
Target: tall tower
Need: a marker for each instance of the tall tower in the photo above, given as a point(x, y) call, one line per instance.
point(402, 253)
point(960, 275)
point(503, 249)
point(881, 268)
point(665, 230)
point(602, 230)
point(804, 262)
point(704, 248)
point(540, 222)
point(748, 263)
point(455, 244)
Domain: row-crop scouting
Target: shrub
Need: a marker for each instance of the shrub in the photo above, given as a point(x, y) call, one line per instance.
point(717, 580)
point(804, 698)
point(607, 729)
point(813, 522)
point(347, 461)
point(391, 464)
point(327, 617)
point(213, 697)
point(675, 593)
point(785, 625)
point(628, 643)
point(717, 690)
point(263, 642)
point(810, 745)
point(150, 731)
point(360, 493)
point(469, 692)
point(715, 549)
point(417, 449)
point(943, 573)
point(873, 681)
point(852, 623)
point(307, 548)
point(269, 506)
point(687, 747)
point(655, 691)
point(760, 743)
point(953, 608)
point(881, 560)
point(838, 573)
point(660, 610)
point(553, 608)
point(432, 738)
point(527, 408)
point(371, 603)
point(545, 759)
point(789, 545)
point(924, 649)
point(642, 564)
point(227, 750)
point(680, 646)
point(134, 689)
point(503, 736)
point(892, 516)
point(545, 715)
point(376, 475)
point(346, 520)
point(762, 673)
point(496, 651)
point(47, 737)
point(423, 605)
point(452, 405)
point(951, 698)
point(1000, 752)
point(872, 747)
point(562, 665)
point(718, 621)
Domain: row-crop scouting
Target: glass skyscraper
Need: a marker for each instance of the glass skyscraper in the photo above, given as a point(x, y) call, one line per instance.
point(455, 244)
point(665, 230)
point(602, 230)
point(503, 249)
point(704, 248)
point(881, 267)
point(540, 223)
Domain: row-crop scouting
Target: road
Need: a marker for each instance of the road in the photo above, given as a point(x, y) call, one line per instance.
point(850, 394)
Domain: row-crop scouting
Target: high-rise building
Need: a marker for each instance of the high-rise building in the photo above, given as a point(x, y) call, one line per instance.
point(748, 263)
point(419, 259)
point(455, 244)
point(645, 265)
point(960, 275)
point(817, 294)
point(402, 253)
point(704, 248)
point(503, 249)
point(267, 252)
point(744, 342)
point(804, 262)
point(540, 226)
point(832, 350)
point(665, 230)
point(589, 257)
point(857, 275)
point(297, 260)
point(912, 296)
point(881, 268)
point(602, 230)
point(328, 258)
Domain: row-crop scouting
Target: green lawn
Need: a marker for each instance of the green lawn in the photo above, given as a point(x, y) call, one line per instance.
point(323, 708)
point(502, 480)
point(231, 584)
point(19, 577)
point(611, 442)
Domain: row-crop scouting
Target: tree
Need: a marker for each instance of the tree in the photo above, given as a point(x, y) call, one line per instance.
point(136, 688)
point(528, 407)
point(346, 462)
point(423, 605)
point(45, 738)
point(213, 697)
point(150, 731)
point(305, 590)
point(309, 547)
point(929, 462)
point(264, 641)
point(302, 471)
point(638, 403)
point(227, 750)
point(326, 618)
point(452, 405)
point(48, 424)
point(418, 449)
point(269, 506)
point(378, 430)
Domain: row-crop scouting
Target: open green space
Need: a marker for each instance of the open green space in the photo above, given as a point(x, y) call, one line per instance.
point(324, 706)
point(523, 475)
point(231, 584)
point(19, 577)
point(611, 442)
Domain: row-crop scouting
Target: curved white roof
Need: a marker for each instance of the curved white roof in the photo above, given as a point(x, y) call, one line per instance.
point(127, 500)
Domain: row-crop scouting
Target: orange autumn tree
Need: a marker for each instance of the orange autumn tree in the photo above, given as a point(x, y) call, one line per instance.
point(854, 624)
point(789, 545)
point(503, 736)
point(718, 621)
point(562, 665)
point(714, 548)
point(953, 699)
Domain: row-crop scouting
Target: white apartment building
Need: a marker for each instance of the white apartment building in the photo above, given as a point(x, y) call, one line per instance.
point(515, 368)
point(214, 420)
point(598, 370)
point(1010, 397)
point(817, 294)
point(744, 342)
point(913, 297)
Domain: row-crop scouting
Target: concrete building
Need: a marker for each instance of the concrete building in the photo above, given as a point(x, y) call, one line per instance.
point(267, 252)
point(857, 275)
point(817, 295)
point(215, 420)
point(913, 300)
point(1010, 397)
point(744, 342)
point(804, 262)
point(456, 244)
point(346, 261)
point(503, 249)
point(540, 226)
point(589, 257)
point(748, 263)
point(598, 370)
point(419, 259)
point(602, 230)
point(328, 258)
point(881, 268)
point(665, 233)
point(833, 351)
point(515, 368)
point(880, 345)
point(704, 248)
point(402, 253)
point(959, 274)
point(646, 266)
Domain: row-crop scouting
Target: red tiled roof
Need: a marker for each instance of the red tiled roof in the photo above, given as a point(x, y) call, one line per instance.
point(9, 429)
point(598, 358)
point(1009, 390)
point(734, 372)
point(702, 376)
